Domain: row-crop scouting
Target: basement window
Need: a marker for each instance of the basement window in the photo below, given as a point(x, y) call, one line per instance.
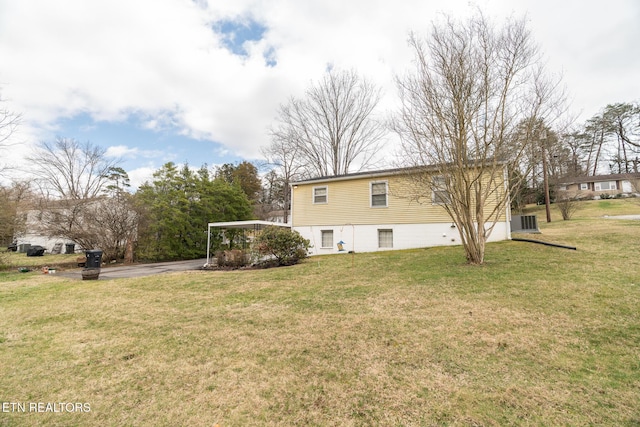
point(385, 238)
point(326, 239)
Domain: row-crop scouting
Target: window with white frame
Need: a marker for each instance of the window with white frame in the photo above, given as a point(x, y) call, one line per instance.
point(605, 185)
point(320, 195)
point(584, 186)
point(440, 194)
point(326, 238)
point(385, 238)
point(379, 194)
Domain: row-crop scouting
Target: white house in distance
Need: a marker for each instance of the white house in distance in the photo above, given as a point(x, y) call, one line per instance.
point(372, 211)
point(34, 237)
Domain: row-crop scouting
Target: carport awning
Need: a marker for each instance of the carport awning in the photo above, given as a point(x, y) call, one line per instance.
point(247, 225)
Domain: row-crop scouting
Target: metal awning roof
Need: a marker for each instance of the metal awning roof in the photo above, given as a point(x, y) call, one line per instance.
point(247, 225)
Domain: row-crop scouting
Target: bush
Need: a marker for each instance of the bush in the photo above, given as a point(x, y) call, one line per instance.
point(567, 205)
point(283, 245)
point(233, 258)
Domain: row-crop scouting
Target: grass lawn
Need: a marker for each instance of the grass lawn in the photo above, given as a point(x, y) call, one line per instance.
point(15, 260)
point(537, 336)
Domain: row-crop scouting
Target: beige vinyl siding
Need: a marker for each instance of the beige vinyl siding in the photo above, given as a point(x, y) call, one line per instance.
point(349, 203)
point(492, 199)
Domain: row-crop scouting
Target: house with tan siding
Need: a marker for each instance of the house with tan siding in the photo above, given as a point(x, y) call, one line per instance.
point(591, 187)
point(374, 211)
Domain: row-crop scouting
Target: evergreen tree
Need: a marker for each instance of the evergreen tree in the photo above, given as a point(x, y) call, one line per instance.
point(245, 175)
point(178, 204)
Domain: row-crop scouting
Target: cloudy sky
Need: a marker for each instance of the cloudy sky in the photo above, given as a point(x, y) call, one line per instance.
point(199, 81)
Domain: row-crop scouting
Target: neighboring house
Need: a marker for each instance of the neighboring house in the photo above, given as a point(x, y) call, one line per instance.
point(372, 211)
point(594, 186)
point(102, 222)
point(33, 237)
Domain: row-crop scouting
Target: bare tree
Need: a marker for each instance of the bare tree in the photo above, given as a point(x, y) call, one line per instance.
point(113, 222)
point(332, 127)
point(623, 121)
point(567, 204)
point(474, 84)
point(595, 133)
point(81, 195)
point(9, 121)
point(573, 143)
point(284, 155)
point(68, 169)
point(613, 134)
point(14, 202)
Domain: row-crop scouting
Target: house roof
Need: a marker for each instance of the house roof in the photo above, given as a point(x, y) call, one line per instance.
point(599, 178)
point(345, 177)
point(372, 174)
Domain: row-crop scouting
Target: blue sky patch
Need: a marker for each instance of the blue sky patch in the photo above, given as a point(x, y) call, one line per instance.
point(140, 146)
point(236, 33)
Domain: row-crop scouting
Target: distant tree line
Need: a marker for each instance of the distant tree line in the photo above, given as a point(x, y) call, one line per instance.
point(82, 196)
point(607, 143)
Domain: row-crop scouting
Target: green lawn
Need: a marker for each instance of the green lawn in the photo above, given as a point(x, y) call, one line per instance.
point(15, 260)
point(537, 336)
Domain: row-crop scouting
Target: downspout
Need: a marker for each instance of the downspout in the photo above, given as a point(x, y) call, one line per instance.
point(290, 219)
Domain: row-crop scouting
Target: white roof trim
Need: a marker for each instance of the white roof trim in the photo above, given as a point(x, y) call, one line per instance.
point(375, 174)
point(246, 224)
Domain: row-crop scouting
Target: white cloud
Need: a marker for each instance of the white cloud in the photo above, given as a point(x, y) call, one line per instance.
point(161, 59)
point(139, 176)
point(121, 151)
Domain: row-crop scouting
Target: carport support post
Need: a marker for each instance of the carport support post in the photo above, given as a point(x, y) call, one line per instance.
point(208, 241)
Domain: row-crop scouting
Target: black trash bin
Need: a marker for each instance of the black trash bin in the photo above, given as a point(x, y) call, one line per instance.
point(94, 258)
point(92, 265)
point(69, 248)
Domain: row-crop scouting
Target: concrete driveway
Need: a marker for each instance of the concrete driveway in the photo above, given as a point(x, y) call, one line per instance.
point(623, 217)
point(139, 270)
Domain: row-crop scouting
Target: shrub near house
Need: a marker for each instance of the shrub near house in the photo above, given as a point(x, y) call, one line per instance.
point(284, 246)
